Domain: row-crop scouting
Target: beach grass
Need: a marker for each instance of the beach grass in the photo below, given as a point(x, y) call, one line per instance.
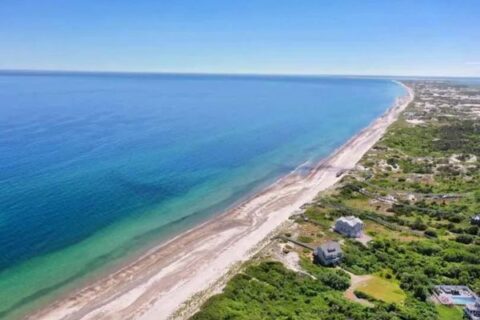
point(383, 289)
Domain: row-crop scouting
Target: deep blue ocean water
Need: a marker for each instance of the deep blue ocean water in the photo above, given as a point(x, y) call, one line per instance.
point(96, 166)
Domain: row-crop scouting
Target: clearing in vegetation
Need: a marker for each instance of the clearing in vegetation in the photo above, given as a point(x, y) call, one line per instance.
point(382, 289)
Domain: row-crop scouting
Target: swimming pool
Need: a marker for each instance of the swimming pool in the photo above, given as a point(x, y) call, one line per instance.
point(462, 300)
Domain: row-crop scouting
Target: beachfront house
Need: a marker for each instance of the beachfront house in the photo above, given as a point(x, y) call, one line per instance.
point(328, 254)
point(472, 311)
point(476, 220)
point(349, 226)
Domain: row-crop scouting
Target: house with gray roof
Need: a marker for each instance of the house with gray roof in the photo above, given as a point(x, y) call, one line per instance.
point(328, 254)
point(350, 226)
point(472, 311)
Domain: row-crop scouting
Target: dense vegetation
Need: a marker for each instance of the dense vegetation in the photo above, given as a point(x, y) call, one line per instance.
point(270, 291)
point(417, 191)
point(438, 164)
point(417, 265)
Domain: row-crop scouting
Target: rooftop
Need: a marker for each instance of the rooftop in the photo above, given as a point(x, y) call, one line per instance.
point(330, 248)
point(350, 220)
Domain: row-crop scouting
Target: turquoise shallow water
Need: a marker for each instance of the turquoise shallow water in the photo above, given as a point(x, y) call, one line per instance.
point(95, 168)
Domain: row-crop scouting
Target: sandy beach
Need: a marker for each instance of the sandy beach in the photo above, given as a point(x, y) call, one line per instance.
point(171, 280)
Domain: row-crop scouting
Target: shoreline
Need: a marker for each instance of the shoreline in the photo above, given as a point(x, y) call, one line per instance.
point(148, 288)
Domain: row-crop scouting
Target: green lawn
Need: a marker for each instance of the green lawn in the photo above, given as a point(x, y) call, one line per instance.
point(382, 289)
point(449, 313)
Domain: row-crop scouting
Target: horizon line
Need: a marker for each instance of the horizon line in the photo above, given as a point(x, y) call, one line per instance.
point(230, 74)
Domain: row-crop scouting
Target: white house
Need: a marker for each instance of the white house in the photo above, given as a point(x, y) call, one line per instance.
point(349, 226)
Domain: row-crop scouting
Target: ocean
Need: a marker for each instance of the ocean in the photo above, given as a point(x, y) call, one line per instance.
point(97, 168)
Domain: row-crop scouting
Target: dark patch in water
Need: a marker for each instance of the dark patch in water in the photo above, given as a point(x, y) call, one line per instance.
point(140, 241)
point(158, 190)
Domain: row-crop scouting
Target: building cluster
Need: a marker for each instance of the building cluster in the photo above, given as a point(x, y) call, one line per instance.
point(449, 99)
point(434, 100)
point(330, 253)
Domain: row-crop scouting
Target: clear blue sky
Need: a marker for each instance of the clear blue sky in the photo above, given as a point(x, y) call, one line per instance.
point(397, 37)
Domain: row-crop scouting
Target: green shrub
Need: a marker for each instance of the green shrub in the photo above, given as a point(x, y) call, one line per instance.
point(464, 238)
point(335, 279)
point(418, 224)
point(431, 233)
point(473, 230)
point(363, 295)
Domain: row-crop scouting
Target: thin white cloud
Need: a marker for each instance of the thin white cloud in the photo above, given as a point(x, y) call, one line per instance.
point(473, 63)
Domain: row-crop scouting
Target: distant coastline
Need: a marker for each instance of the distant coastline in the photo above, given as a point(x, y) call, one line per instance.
point(148, 288)
point(239, 75)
